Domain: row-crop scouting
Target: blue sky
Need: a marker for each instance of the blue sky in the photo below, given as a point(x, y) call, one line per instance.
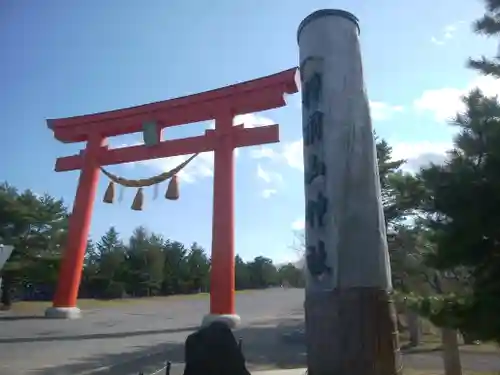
point(61, 60)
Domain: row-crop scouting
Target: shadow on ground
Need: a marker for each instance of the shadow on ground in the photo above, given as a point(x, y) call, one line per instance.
point(277, 343)
point(263, 346)
point(95, 336)
point(11, 318)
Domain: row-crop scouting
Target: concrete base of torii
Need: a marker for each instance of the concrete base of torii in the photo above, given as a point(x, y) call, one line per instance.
point(232, 320)
point(63, 313)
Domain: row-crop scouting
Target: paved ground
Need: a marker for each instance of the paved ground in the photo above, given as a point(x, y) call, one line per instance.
point(109, 336)
point(140, 337)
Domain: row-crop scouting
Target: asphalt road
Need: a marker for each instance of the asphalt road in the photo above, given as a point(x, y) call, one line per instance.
point(142, 336)
point(108, 337)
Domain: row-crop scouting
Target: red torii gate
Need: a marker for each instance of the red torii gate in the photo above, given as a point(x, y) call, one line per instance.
point(221, 105)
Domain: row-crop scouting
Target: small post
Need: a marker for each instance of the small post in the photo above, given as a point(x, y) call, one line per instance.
point(350, 321)
point(5, 253)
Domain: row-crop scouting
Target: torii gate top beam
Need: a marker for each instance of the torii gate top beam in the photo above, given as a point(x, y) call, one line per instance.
point(247, 97)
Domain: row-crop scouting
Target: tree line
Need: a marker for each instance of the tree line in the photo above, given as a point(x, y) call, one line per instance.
point(147, 264)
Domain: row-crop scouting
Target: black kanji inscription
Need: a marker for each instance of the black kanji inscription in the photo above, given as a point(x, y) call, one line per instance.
point(316, 260)
point(314, 128)
point(312, 91)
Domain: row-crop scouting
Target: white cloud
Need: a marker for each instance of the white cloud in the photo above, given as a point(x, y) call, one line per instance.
point(251, 120)
point(271, 179)
point(381, 111)
point(267, 193)
point(248, 120)
point(262, 174)
point(419, 154)
point(201, 167)
point(409, 150)
point(293, 154)
point(414, 165)
point(263, 152)
point(299, 224)
point(268, 176)
point(444, 103)
point(290, 153)
point(446, 34)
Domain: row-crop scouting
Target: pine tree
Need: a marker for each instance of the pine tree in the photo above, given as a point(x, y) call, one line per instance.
point(488, 25)
point(462, 205)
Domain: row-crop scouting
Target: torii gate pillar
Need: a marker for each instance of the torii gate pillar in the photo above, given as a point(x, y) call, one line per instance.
point(222, 303)
point(64, 304)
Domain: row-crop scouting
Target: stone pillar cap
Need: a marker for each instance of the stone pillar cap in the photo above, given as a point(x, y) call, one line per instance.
point(327, 12)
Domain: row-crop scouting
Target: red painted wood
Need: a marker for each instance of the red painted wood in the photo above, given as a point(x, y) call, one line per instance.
point(223, 252)
point(222, 105)
point(79, 225)
point(242, 138)
point(247, 97)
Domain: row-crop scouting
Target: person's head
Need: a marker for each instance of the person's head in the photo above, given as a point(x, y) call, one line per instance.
point(213, 350)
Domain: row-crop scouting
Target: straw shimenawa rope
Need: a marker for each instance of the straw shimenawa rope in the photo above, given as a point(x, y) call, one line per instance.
point(172, 190)
point(144, 182)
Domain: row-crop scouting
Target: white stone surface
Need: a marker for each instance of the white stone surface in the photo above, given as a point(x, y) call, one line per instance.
point(232, 320)
point(63, 313)
point(354, 231)
point(5, 252)
point(291, 371)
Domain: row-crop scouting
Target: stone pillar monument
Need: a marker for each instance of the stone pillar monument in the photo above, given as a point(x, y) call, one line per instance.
point(350, 319)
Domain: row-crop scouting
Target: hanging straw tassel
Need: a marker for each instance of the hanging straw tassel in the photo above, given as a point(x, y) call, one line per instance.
point(155, 194)
point(173, 189)
point(138, 201)
point(109, 195)
point(121, 192)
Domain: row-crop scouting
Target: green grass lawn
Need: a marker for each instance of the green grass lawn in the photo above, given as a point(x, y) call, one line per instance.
point(431, 341)
point(38, 307)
